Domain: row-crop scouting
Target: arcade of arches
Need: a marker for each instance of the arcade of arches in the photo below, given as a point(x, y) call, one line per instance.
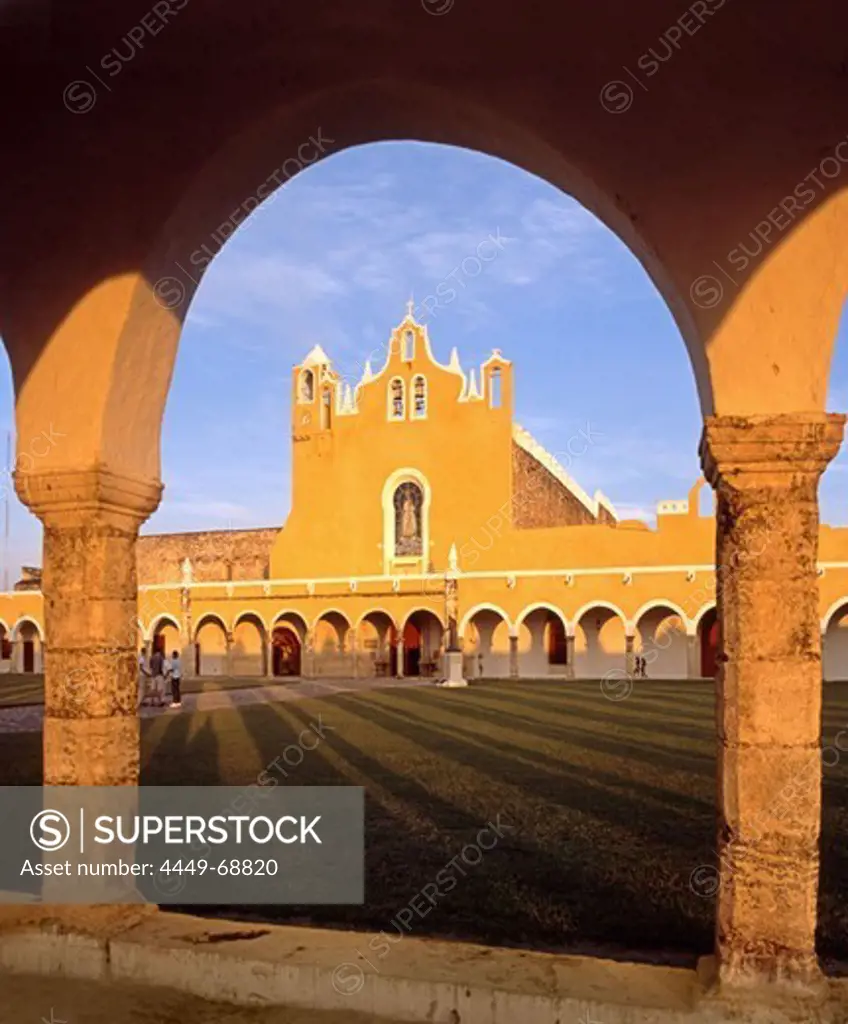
point(94, 295)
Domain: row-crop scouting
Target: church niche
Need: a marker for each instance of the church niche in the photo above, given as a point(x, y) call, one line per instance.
point(409, 507)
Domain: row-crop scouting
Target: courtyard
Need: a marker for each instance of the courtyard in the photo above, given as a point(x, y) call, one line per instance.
point(605, 809)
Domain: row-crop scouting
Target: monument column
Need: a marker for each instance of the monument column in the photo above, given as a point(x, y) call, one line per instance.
point(765, 471)
point(91, 520)
point(452, 669)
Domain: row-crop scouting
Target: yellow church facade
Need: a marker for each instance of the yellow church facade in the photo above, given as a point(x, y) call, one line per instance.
point(426, 523)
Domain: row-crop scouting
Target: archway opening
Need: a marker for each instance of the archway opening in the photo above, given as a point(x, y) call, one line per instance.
point(332, 655)
point(486, 646)
point(600, 643)
point(423, 644)
point(376, 647)
point(542, 644)
point(835, 646)
point(29, 654)
point(166, 637)
point(661, 642)
point(212, 648)
point(249, 654)
point(288, 638)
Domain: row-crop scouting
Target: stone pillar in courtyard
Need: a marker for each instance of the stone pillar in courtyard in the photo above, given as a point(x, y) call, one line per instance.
point(399, 655)
point(629, 654)
point(693, 657)
point(569, 656)
point(91, 520)
point(513, 657)
point(765, 471)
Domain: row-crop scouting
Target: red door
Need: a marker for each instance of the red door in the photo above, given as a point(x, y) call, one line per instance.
point(709, 644)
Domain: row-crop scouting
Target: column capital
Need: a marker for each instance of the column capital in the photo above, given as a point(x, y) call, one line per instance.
point(71, 496)
point(764, 451)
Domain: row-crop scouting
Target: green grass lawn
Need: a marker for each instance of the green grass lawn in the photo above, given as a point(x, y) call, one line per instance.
point(19, 688)
point(611, 805)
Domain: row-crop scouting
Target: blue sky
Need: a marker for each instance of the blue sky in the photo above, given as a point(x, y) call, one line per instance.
point(333, 258)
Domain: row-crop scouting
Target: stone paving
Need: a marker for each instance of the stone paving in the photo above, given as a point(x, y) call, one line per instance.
point(37, 1000)
point(28, 718)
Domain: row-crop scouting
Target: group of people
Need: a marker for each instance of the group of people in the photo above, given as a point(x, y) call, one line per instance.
point(641, 668)
point(155, 675)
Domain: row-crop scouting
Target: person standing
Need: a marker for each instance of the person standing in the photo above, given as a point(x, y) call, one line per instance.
point(175, 673)
point(157, 673)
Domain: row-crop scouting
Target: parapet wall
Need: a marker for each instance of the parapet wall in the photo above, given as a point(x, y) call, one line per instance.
point(539, 499)
point(214, 555)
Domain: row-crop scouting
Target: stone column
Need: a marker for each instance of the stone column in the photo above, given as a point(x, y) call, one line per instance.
point(513, 657)
point(269, 659)
point(354, 650)
point(399, 656)
point(765, 471)
point(569, 656)
point(309, 643)
point(91, 520)
point(228, 661)
point(693, 657)
point(629, 654)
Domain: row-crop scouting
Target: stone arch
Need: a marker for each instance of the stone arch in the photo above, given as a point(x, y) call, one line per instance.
point(165, 634)
point(289, 633)
point(331, 648)
point(211, 646)
point(542, 632)
point(485, 637)
point(423, 635)
point(608, 606)
point(483, 606)
point(28, 638)
point(295, 620)
point(699, 615)
point(600, 631)
point(249, 650)
point(6, 648)
point(835, 642)
point(376, 643)
point(661, 639)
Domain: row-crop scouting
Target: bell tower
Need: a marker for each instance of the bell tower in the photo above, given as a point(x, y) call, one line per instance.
point(313, 395)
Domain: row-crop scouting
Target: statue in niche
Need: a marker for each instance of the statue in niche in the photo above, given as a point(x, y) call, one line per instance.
point(409, 500)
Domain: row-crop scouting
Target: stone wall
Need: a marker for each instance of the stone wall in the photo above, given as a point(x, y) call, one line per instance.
point(539, 499)
point(214, 555)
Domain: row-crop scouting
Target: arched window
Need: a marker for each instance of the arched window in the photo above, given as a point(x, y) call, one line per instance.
point(419, 397)
point(397, 401)
point(408, 504)
point(326, 409)
point(495, 388)
point(408, 346)
point(306, 387)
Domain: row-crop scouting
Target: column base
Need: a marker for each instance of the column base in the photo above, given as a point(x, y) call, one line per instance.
point(453, 670)
point(780, 979)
